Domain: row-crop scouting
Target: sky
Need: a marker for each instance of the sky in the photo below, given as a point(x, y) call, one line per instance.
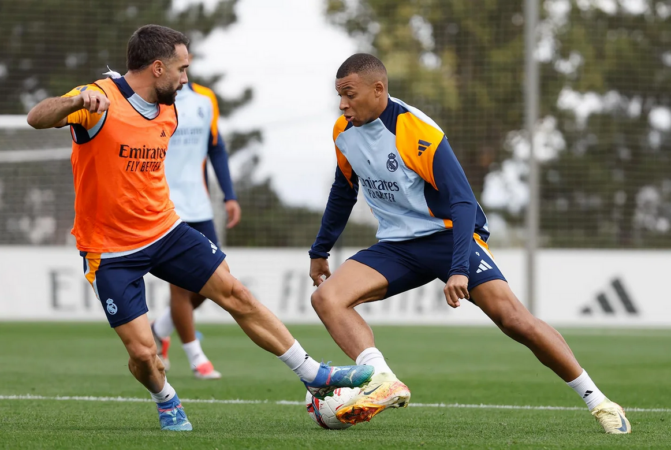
point(288, 54)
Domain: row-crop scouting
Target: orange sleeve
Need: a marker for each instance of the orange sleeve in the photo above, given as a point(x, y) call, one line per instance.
point(209, 93)
point(84, 117)
point(343, 163)
point(417, 142)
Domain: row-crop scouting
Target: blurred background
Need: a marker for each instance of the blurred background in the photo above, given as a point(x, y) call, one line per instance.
point(593, 249)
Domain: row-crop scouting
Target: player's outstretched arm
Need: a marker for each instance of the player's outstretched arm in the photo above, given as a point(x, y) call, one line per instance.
point(53, 112)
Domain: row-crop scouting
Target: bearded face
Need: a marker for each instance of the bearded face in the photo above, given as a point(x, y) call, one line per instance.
point(166, 94)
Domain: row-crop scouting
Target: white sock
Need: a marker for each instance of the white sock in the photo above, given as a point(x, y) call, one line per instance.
point(373, 357)
point(300, 362)
point(587, 390)
point(195, 353)
point(167, 393)
point(163, 326)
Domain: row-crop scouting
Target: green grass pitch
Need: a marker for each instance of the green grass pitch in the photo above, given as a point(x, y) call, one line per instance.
point(440, 365)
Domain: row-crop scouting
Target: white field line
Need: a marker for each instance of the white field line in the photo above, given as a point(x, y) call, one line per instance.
point(295, 403)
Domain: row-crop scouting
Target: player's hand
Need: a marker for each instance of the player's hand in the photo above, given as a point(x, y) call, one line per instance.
point(93, 101)
point(456, 289)
point(319, 268)
point(233, 213)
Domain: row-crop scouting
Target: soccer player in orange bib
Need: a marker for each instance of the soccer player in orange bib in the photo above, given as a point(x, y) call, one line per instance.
point(126, 225)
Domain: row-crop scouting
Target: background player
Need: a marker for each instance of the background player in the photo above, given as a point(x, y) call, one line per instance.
point(430, 226)
point(126, 226)
point(197, 138)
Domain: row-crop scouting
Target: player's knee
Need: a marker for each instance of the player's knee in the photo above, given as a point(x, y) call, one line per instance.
point(142, 354)
point(315, 300)
point(321, 301)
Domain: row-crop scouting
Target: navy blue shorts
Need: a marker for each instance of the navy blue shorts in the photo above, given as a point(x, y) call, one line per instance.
point(207, 228)
point(416, 262)
point(183, 257)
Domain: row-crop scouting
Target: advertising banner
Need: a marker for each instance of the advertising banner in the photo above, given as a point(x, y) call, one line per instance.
point(574, 287)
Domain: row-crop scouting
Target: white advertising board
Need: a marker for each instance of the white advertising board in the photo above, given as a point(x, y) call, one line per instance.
point(604, 287)
point(575, 287)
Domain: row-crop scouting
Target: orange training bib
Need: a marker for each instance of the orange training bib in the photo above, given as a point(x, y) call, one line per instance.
point(122, 200)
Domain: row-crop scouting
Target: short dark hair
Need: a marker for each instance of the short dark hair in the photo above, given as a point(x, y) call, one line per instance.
point(152, 42)
point(360, 63)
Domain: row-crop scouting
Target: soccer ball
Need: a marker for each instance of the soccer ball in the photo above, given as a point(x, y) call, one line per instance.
point(323, 412)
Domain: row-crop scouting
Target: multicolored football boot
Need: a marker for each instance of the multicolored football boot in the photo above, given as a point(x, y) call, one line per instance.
point(332, 377)
point(172, 416)
point(611, 417)
point(384, 391)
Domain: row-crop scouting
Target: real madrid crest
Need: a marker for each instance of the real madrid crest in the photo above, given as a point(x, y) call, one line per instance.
point(111, 307)
point(392, 164)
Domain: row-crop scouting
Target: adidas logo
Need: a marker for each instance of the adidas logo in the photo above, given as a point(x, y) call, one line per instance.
point(163, 133)
point(483, 267)
point(423, 145)
point(607, 306)
point(587, 394)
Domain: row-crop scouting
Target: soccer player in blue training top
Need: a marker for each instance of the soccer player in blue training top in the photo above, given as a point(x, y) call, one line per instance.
point(197, 138)
point(126, 225)
point(430, 226)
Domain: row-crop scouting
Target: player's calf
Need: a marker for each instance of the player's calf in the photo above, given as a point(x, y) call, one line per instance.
point(145, 366)
point(229, 293)
point(240, 302)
